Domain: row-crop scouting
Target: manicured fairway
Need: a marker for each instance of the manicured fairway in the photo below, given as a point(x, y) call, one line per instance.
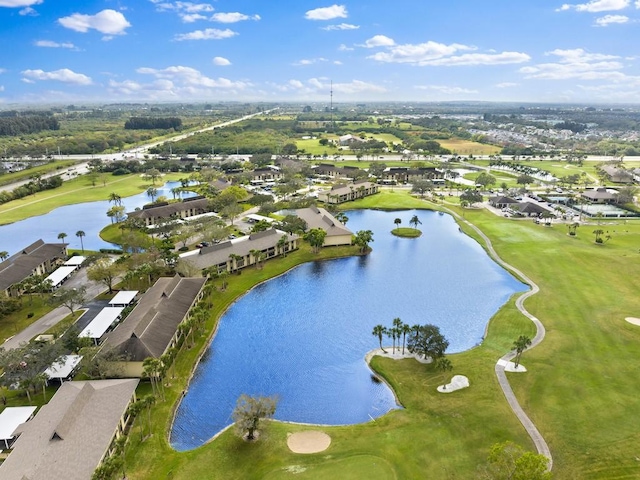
point(351, 468)
point(78, 190)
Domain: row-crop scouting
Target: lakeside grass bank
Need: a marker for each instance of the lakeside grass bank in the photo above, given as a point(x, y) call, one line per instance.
point(78, 190)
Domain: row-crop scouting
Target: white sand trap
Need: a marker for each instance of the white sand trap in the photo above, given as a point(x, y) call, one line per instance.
point(457, 382)
point(633, 320)
point(395, 354)
point(310, 441)
point(511, 367)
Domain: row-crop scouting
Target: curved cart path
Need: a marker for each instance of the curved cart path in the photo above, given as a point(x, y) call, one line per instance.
point(536, 436)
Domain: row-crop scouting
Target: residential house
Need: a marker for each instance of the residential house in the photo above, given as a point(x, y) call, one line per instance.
point(270, 173)
point(73, 434)
point(337, 233)
point(189, 207)
point(39, 258)
point(240, 252)
point(617, 174)
point(348, 140)
point(345, 193)
point(152, 326)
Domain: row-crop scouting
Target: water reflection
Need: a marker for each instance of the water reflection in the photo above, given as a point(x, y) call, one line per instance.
point(303, 335)
point(90, 217)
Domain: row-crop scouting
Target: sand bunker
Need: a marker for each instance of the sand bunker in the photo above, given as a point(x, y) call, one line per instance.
point(457, 382)
point(310, 441)
point(633, 320)
point(511, 367)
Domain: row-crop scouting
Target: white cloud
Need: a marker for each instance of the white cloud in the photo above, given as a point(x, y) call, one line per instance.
point(188, 7)
point(327, 13)
point(577, 64)
point(188, 77)
point(595, 6)
point(466, 59)
point(107, 21)
point(341, 26)
point(1, 88)
point(379, 41)
point(448, 90)
point(52, 44)
point(506, 85)
point(19, 3)
point(63, 75)
point(206, 34)
point(221, 61)
point(309, 61)
point(439, 54)
point(232, 17)
point(337, 62)
point(353, 87)
point(609, 19)
point(28, 11)
point(192, 17)
point(344, 48)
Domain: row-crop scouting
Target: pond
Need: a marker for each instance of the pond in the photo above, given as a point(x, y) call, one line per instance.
point(90, 217)
point(303, 336)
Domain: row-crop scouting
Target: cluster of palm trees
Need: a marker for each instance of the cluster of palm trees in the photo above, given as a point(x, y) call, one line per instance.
point(398, 331)
point(519, 168)
point(415, 221)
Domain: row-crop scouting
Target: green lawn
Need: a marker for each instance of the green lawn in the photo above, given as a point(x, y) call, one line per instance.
point(580, 389)
point(7, 178)
point(22, 318)
point(406, 232)
point(467, 147)
point(78, 190)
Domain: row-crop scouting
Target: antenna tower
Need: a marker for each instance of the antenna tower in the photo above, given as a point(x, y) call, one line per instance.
point(331, 104)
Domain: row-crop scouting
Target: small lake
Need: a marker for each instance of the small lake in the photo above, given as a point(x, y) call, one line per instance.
point(303, 336)
point(90, 217)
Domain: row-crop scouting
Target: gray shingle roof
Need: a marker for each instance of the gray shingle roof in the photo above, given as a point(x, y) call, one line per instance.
point(319, 218)
point(21, 265)
point(163, 211)
point(70, 435)
point(149, 328)
point(217, 254)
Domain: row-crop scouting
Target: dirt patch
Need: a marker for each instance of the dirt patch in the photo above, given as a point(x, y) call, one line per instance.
point(311, 441)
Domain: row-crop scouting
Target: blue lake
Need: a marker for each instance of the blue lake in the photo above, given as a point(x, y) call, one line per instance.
point(90, 217)
point(303, 336)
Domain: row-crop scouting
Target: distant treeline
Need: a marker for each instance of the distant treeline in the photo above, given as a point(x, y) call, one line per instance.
point(19, 125)
point(30, 188)
point(153, 123)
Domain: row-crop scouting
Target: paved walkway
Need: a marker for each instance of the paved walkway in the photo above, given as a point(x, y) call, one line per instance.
point(534, 433)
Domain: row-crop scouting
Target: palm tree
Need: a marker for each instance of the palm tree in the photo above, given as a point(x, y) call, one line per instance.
point(81, 234)
point(4, 255)
point(234, 260)
point(397, 221)
point(115, 198)
point(342, 218)
point(572, 228)
point(520, 345)
point(397, 327)
point(152, 192)
point(379, 331)
point(598, 233)
point(175, 192)
point(406, 328)
point(415, 221)
point(62, 236)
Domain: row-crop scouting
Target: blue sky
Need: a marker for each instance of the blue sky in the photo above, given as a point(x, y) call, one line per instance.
point(290, 50)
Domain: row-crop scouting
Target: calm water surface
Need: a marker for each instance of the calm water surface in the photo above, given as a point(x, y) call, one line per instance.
point(303, 336)
point(90, 217)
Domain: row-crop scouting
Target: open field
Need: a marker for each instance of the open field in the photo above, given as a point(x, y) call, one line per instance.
point(74, 191)
point(467, 147)
point(20, 319)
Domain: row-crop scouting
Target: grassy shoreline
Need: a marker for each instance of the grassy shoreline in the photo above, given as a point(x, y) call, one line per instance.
point(78, 190)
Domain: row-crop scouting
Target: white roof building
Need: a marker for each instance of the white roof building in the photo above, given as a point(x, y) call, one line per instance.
point(101, 323)
point(10, 419)
point(63, 368)
point(59, 276)
point(75, 261)
point(123, 298)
